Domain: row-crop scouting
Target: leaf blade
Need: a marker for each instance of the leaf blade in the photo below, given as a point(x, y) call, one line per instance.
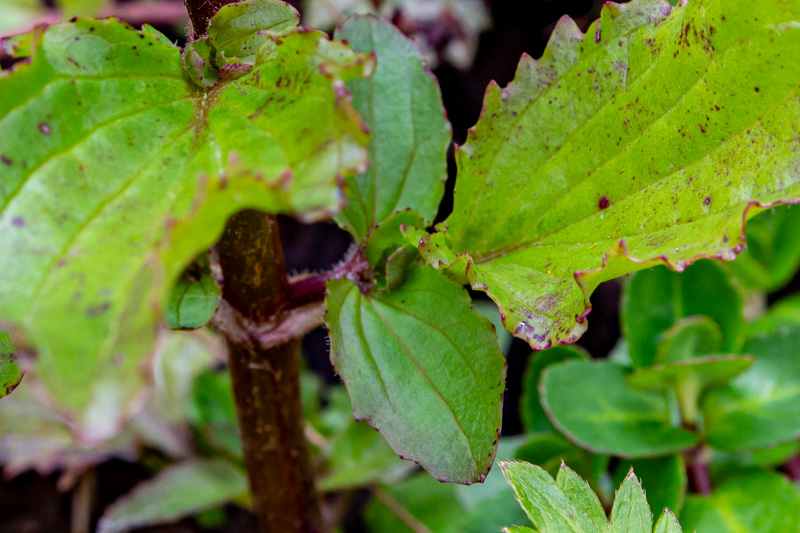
point(99, 212)
point(410, 133)
point(645, 190)
point(388, 370)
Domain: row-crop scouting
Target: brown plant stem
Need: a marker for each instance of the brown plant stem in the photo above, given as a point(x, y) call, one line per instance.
point(792, 468)
point(697, 469)
point(266, 381)
point(202, 11)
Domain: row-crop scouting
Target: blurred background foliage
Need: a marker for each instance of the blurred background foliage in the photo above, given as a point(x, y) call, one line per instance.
point(706, 363)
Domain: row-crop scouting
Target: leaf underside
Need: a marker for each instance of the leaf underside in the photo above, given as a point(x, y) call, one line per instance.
point(650, 139)
point(423, 368)
point(409, 133)
point(120, 170)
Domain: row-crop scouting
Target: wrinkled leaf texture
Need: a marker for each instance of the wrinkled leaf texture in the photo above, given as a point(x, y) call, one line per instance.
point(650, 139)
point(117, 170)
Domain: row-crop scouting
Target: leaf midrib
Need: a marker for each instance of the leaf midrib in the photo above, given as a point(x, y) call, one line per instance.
point(503, 251)
point(493, 253)
point(428, 380)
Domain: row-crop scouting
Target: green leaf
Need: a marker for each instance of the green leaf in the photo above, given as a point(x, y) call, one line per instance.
point(657, 300)
point(195, 297)
point(488, 310)
point(663, 480)
point(550, 450)
point(579, 492)
point(533, 416)
point(759, 407)
point(723, 464)
point(548, 507)
point(490, 505)
point(518, 530)
point(569, 505)
point(411, 505)
point(785, 313)
point(10, 375)
point(35, 440)
point(117, 170)
point(630, 513)
point(359, 456)
point(410, 134)
point(764, 502)
point(773, 250)
point(387, 237)
point(177, 491)
point(212, 413)
point(648, 140)
point(689, 379)
point(593, 405)
point(423, 504)
point(238, 30)
point(689, 337)
point(198, 63)
point(423, 368)
point(668, 523)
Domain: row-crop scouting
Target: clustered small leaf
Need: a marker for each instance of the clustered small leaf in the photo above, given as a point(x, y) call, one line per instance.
point(567, 504)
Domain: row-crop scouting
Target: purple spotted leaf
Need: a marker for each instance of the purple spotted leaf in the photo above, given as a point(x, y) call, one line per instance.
point(116, 169)
point(650, 139)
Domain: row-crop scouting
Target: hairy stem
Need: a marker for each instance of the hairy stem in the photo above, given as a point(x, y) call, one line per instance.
point(201, 12)
point(265, 378)
point(266, 381)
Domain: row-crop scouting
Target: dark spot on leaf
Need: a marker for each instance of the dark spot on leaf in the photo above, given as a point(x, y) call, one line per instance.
point(44, 127)
point(97, 310)
point(758, 90)
point(18, 222)
point(5, 160)
point(707, 200)
point(603, 203)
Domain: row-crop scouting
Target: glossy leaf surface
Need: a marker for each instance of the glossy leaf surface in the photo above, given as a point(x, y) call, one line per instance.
point(423, 368)
point(593, 405)
point(758, 407)
point(409, 133)
point(758, 503)
point(120, 170)
point(649, 139)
